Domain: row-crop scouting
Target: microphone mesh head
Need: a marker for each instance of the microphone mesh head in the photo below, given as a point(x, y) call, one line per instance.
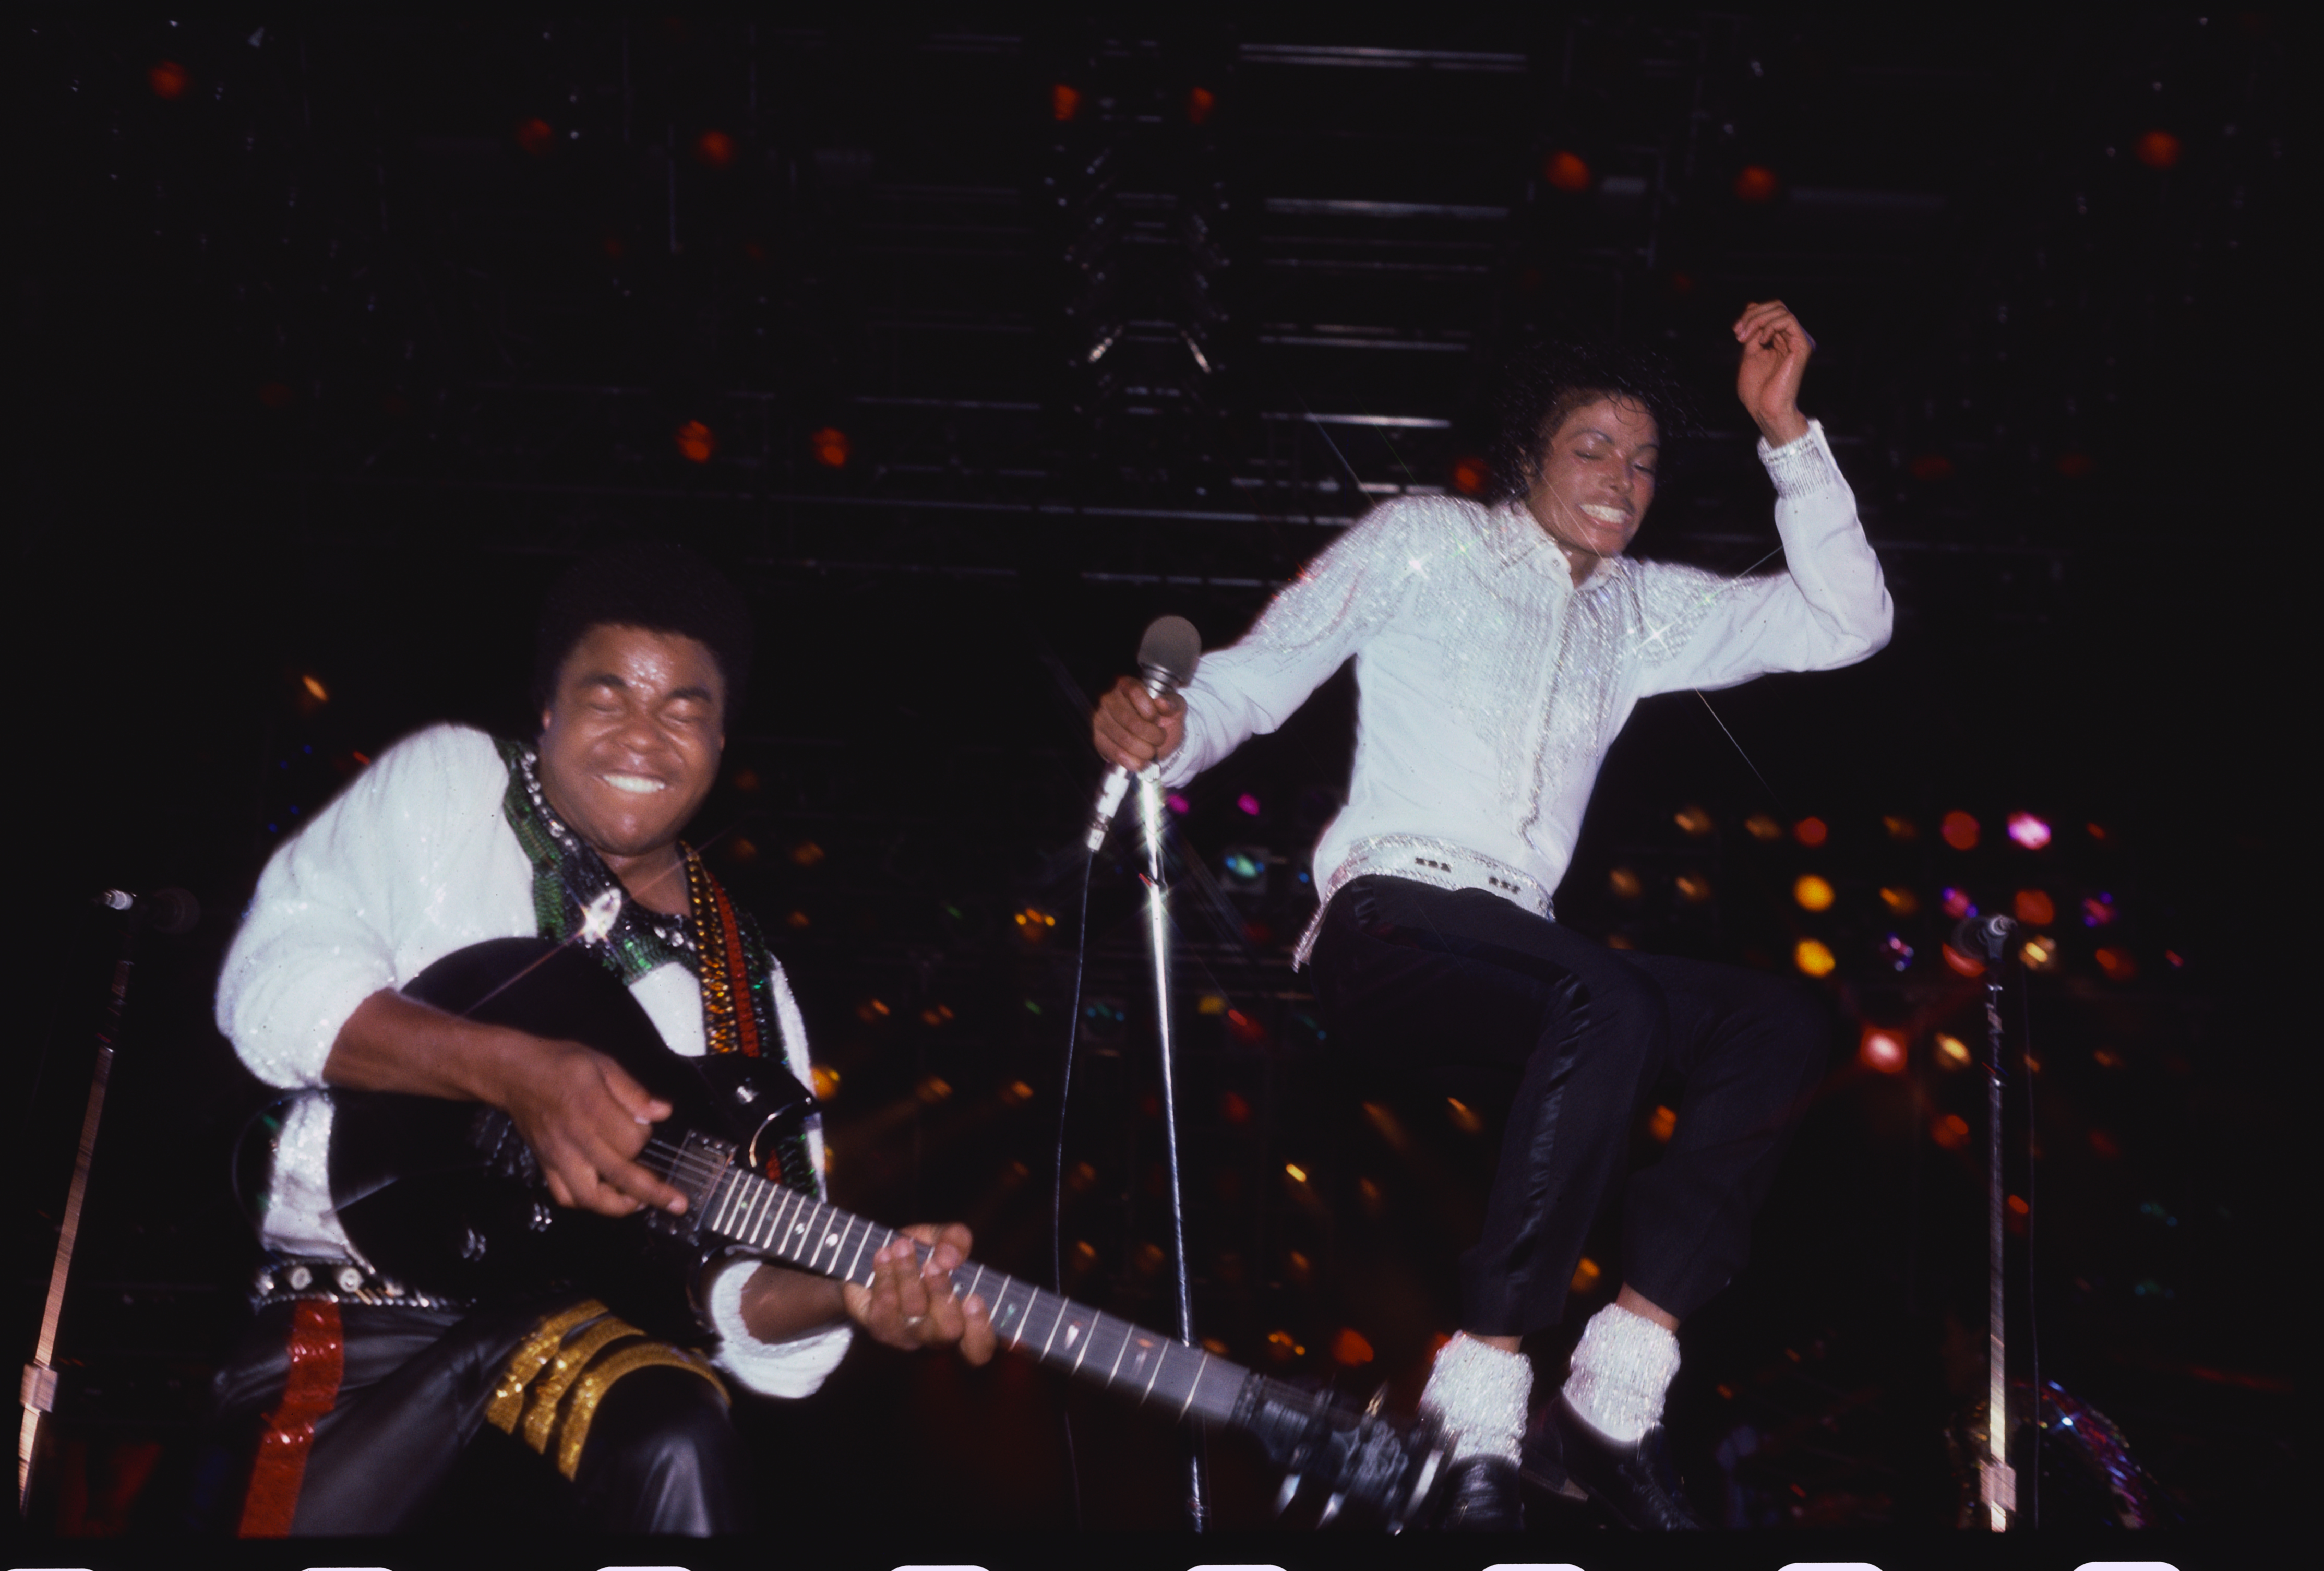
point(1170, 651)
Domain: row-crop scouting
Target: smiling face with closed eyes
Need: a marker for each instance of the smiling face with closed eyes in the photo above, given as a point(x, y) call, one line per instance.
point(630, 745)
point(1597, 481)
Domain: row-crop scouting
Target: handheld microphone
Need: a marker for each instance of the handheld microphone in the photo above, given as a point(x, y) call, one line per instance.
point(1167, 658)
point(165, 911)
point(1984, 938)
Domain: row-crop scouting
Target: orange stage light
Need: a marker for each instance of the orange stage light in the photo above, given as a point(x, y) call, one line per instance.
point(2117, 964)
point(695, 441)
point(2035, 909)
point(1900, 828)
point(826, 1081)
point(1586, 1275)
point(1064, 102)
point(2158, 150)
point(831, 446)
point(1811, 832)
point(2039, 953)
point(1813, 893)
point(168, 80)
point(714, 150)
point(1470, 477)
point(1663, 1123)
point(1625, 883)
point(536, 137)
point(1565, 172)
point(1959, 831)
point(1200, 102)
point(315, 685)
point(1950, 1132)
point(1903, 901)
point(1348, 1347)
point(1813, 957)
point(1695, 821)
point(1763, 828)
point(1963, 965)
point(1756, 183)
point(1693, 887)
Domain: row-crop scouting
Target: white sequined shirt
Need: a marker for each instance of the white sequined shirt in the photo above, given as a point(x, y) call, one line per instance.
point(414, 860)
point(1490, 686)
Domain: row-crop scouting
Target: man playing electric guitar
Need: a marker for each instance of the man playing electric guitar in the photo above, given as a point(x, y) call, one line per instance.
point(363, 1391)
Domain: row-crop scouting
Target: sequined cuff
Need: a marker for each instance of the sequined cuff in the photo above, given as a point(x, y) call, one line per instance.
point(1803, 466)
point(1622, 1366)
point(1479, 1394)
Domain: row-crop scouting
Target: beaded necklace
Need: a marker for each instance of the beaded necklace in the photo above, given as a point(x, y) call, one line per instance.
point(576, 898)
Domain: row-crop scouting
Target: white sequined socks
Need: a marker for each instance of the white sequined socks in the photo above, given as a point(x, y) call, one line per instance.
point(1622, 1366)
point(1479, 1393)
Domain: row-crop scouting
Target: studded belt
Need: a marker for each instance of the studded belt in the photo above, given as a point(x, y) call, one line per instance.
point(297, 1278)
point(1424, 859)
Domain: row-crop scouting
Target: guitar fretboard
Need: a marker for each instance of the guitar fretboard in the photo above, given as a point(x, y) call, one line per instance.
point(798, 1229)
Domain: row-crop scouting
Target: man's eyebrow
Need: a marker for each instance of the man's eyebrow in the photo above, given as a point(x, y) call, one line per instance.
point(1603, 436)
point(602, 680)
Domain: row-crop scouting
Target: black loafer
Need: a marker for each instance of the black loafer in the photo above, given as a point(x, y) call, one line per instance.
point(1480, 1496)
point(1636, 1484)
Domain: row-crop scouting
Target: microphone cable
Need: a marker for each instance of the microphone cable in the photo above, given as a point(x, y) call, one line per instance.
point(1058, 1169)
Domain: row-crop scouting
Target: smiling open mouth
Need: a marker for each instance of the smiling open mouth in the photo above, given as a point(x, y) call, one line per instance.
point(637, 785)
point(1603, 514)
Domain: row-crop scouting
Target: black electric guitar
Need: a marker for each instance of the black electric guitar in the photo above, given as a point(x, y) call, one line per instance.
point(444, 1198)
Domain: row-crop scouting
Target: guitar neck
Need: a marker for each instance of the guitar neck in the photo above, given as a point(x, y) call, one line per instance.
point(796, 1228)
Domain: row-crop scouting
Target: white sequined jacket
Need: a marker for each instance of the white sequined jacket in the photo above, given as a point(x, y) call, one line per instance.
point(1490, 686)
point(412, 861)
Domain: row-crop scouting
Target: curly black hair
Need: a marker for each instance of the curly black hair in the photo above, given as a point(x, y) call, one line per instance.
point(650, 584)
point(1541, 381)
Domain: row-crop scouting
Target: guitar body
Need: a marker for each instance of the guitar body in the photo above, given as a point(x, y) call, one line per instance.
point(444, 1196)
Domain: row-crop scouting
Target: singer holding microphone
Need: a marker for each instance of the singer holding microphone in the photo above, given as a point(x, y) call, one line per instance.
point(1500, 647)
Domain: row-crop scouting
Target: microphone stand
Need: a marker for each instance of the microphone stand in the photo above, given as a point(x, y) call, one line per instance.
point(1996, 1480)
point(1158, 918)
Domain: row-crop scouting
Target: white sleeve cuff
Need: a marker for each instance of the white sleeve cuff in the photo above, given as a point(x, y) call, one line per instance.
point(795, 1368)
point(1803, 466)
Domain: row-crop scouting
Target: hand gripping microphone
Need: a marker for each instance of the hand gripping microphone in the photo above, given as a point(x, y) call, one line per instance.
point(1167, 658)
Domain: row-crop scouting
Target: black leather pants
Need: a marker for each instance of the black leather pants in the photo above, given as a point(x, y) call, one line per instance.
point(1575, 1037)
point(408, 1424)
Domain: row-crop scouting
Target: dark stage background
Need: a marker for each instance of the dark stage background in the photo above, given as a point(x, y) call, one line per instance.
point(969, 348)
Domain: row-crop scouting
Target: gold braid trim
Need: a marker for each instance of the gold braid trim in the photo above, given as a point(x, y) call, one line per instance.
point(573, 1432)
point(540, 1414)
point(531, 1356)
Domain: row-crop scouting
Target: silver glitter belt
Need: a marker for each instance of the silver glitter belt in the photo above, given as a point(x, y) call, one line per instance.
point(1424, 859)
point(285, 1279)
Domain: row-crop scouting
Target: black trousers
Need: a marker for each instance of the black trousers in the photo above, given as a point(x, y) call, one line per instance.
point(1576, 1036)
point(407, 1429)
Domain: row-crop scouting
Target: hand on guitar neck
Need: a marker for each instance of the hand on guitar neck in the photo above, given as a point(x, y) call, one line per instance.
point(909, 1304)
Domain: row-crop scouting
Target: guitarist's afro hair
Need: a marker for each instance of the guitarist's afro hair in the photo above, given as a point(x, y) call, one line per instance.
point(650, 584)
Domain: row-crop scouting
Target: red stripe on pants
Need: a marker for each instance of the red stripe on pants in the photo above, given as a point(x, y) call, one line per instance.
point(318, 1360)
